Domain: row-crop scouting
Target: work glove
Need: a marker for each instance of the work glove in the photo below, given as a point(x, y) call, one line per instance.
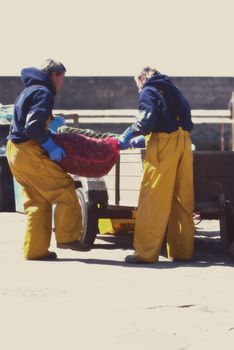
point(124, 144)
point(125, 138)
point(55, 152)
point(138, 142)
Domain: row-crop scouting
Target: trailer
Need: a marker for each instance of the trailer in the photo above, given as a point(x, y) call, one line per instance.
point(115, 196)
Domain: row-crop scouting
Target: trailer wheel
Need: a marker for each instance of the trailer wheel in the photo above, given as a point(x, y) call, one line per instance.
point(89, 218)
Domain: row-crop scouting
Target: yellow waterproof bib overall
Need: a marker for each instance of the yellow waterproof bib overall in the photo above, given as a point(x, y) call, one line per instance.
point(43, 183)
point(166, 200)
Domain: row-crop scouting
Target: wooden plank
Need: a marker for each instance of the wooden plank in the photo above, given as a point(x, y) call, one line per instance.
point(122, 114)
point(126, 183)
point(131, 169)
point(110, 182)
point(125, 178)
point(127, 198)
point(131, 156)
point(213, 175)
point(130, 183)
point(74, 117)
point(111, 196)
point(127, 168)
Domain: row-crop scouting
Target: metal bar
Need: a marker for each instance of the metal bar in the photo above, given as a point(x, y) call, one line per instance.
point(115, 214)
point(117, 182)
point(222, 137)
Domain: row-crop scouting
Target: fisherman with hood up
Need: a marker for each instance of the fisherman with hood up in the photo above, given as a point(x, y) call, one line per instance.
point(166, 200)
point(34, 159)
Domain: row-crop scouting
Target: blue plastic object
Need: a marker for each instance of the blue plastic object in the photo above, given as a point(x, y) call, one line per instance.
point(56, 122)
point(6, 114)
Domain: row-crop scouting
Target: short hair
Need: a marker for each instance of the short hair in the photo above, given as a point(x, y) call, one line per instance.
point(51, 66)
point(146, 72)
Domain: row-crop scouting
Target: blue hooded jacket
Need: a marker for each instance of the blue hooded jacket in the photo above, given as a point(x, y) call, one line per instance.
point(33, 107)
point(162, 108)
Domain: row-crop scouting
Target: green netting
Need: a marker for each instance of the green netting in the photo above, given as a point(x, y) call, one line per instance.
point(86, 132)
point(6, 114)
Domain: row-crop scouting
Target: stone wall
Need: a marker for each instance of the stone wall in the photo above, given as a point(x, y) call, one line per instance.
point(121, 92)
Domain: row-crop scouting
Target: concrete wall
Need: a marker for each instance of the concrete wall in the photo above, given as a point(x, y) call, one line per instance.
point(121, 92)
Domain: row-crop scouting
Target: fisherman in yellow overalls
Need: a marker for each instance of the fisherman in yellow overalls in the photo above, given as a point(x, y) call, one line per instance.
point(34, 161)
point(166, 201)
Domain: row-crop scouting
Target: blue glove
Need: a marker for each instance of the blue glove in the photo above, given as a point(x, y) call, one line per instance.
point(55, 152)
point(124, 145)
point(138, 142)
point(125, 138)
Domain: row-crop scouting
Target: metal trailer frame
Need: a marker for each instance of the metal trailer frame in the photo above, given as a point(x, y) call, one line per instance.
point(213, 185)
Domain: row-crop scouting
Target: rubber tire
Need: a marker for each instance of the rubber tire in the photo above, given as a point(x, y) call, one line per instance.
point(89, 218)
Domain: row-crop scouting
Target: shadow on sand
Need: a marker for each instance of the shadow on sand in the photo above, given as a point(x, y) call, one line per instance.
point(208, 251)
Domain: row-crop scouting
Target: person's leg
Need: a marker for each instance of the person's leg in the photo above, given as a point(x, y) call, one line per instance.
point(67, 216)
point(37, 210)
point(38, 227)
point(156, 194)
point(180, 234)
point(48, 179)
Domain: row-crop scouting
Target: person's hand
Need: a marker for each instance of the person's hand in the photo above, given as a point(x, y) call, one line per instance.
point(138, 142)
point(124, 144)
point(124, 139)
point(55, 152)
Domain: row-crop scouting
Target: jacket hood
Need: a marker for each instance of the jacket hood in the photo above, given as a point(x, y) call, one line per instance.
point(33, 76)
point(161, 82)
point(173, 96)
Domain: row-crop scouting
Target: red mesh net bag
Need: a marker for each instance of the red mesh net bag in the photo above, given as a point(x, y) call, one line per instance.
point(87, 156)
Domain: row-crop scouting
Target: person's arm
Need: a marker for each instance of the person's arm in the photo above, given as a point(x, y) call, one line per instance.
point(40, 109)
point(35, 127)
point(150, 108)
